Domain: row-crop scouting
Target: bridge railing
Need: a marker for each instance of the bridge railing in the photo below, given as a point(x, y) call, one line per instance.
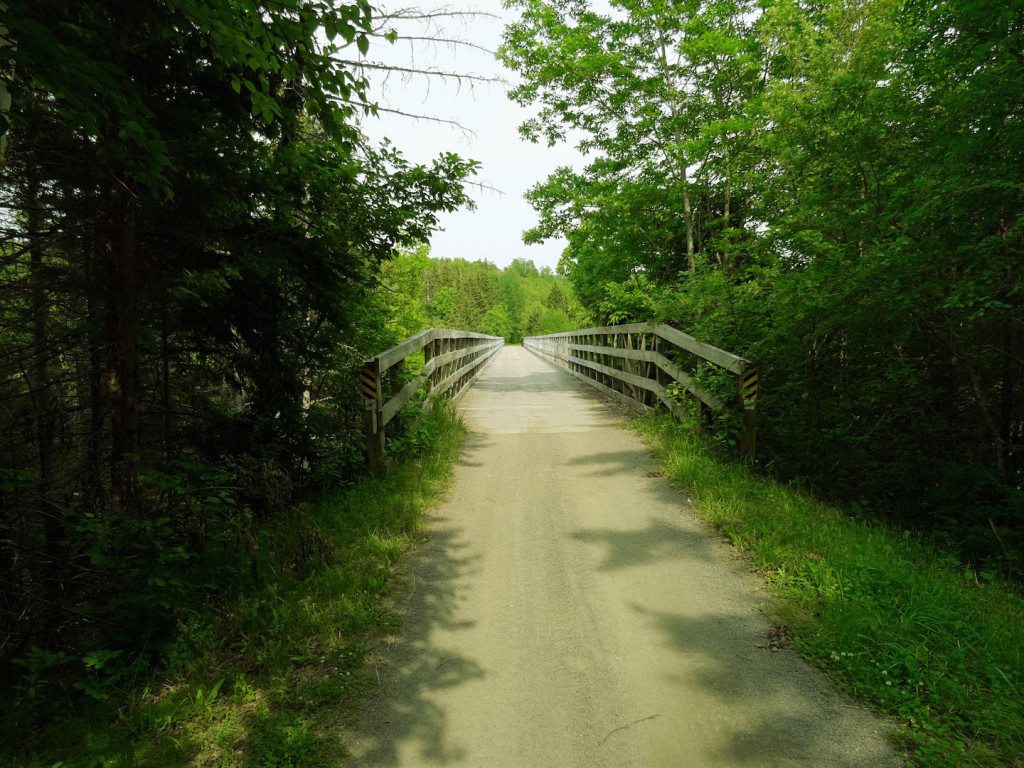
point(451, 362)
point(637, 364)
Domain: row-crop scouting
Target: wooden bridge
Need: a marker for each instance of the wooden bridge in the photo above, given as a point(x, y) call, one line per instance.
point(642, 365)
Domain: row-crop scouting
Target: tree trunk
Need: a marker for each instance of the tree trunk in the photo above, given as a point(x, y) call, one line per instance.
point(1006, 402)
point(1009, 374)
point(165, 379)
point(122, 326)
point(94, 491)
point(726, 256)
point(688, 219)
point(41, 386)
point(42, 395)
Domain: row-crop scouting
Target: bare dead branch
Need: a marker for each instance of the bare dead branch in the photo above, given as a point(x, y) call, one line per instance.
point(414, 14)
point(443, 74)
point(451, 41)
point(371, 107)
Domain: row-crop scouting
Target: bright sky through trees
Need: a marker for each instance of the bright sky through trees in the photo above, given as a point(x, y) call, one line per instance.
point(494, 230)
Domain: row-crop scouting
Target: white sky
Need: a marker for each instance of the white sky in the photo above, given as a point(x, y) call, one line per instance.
point(494, 230)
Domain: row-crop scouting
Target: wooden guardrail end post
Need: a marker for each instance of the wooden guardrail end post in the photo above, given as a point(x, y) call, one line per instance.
point(373, 421)
point(748, 426)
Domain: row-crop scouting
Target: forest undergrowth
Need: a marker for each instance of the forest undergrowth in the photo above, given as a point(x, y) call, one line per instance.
point(261, 677)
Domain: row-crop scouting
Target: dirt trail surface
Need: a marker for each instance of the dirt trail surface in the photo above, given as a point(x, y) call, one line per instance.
point(569, 610)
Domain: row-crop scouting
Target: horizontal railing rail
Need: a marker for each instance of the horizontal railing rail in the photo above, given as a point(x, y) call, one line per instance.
point(637, 363)
point(452, 360)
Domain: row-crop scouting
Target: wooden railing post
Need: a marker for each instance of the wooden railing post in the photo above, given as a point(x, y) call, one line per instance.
point(373, 422)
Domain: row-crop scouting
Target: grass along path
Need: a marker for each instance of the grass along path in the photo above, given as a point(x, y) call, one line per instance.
point(260, 681)
point(893, 621)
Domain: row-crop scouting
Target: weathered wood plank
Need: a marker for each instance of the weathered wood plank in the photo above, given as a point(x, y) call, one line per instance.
point(438, 360)
point(623, 352)
point(451, 348)
point(719, 357)
point(627, 328)
point(687, 381)
point(405, 394)
point(674, 408)
point(708, 352)
point(373, 428)
point(588, 343)
point(399, 352)
point(441, 387)
point(662, 362)
point(390, 357)
point(453, 333)
point(618, 396)
point(482, 365)
point(615, 373)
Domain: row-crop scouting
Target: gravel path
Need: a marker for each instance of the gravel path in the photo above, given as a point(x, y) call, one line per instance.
point(570, 610)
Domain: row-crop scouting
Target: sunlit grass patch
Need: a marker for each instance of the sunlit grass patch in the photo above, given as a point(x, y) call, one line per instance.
point(894, 621)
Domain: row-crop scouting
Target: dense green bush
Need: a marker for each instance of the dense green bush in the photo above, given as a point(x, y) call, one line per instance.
point(193, 233)
point(832, 190)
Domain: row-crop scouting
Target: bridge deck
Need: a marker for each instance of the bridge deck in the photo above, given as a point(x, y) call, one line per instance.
point(568, 610)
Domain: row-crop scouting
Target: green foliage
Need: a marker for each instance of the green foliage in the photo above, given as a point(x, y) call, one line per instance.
point(832, 190)
point(282, 741)
point(260, 675)
point(523, 267)
point(99, 91)
point(498, 322)
point(896, 622)
point(39, 665)
point(634, 301)
point(557, 299)
point(189, 263)
point(553, 321)
point(512, 302)
point(418, 292)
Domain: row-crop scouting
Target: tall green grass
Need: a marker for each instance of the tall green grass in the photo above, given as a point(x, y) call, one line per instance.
point(261, 679)
point(893, 621)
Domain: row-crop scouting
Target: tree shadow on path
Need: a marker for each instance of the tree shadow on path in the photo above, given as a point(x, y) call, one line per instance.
point(400, 710)
point(777, 711)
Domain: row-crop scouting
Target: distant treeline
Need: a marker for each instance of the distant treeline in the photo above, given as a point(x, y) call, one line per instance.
point(519, 300)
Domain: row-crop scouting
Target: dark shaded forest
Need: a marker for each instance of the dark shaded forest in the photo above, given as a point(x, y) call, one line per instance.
point(191, 233)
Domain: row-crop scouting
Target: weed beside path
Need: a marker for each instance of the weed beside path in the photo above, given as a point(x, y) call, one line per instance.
point(893, 621)
point(260, 680)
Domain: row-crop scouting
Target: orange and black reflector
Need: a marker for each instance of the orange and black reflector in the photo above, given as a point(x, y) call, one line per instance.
point(368, 383)
point(748, 387)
